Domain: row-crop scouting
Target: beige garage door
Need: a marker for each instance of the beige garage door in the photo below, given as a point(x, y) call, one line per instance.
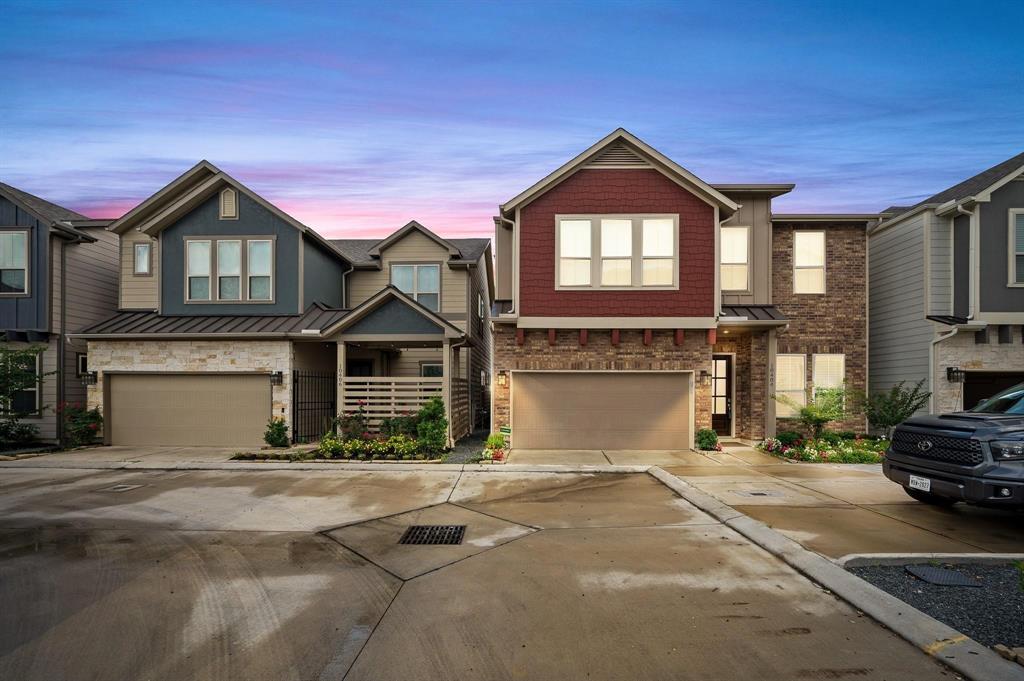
point(217, 410)
point(617, 410)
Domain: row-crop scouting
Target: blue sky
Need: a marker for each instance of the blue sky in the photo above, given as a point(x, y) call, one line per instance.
point(356, 117)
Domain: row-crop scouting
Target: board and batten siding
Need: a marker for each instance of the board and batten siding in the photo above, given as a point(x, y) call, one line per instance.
point(139, 292)
point(940, 267)
point(755, 214)
point(899, 334)
point(413, 248)
point(28, 312)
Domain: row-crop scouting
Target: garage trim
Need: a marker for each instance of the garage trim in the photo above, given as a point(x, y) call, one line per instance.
point(692, 383)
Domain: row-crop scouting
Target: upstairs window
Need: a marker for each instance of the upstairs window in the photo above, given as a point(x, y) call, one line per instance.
point(197, 254)
point(261, 265)
point(1017, 247)
point(229, 204)
point(229, 270)
point(791, 382)
point(422, 283)
point(14, 263)
point(617, 252)
point(808, 262)
point(143, 260)
point(735, 266)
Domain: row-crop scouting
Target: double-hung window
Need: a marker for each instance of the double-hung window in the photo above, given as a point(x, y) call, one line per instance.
point(261, 267)
point(1017, 247)
point(198, 265)
point(229, 270)
point(808, 262)
point(790, 382)
point(828, 371)
point(24, 402)
point(143, 265)
point(422, 283)
point(735, 266)
point(13, 262)
point(616, 251)
point(431, 370)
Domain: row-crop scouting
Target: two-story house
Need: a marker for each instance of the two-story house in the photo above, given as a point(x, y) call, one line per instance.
point(58, 272)
point(947, 290)
point(638, 303)
point(232, 312)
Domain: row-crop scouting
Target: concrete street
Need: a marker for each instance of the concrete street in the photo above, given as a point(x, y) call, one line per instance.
point(296, 574)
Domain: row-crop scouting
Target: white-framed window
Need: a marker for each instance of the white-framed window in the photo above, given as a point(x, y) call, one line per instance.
point(14, 262)
point(26, 401)
point(228, 204)
point(431, 370)
point(735, 259)
point(229, 269)
point(481, 311)
point(827, 371)
point(808, 262)
point(260, 265)
point(81, 364)
point(617, 251)
point(422, 283)
point(198, 257)
point(790, 381)
point(143, 263)
point(1016, 247)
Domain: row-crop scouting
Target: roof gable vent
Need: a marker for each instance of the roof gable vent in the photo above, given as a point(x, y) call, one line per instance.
point(618, 155)
point(229, 204)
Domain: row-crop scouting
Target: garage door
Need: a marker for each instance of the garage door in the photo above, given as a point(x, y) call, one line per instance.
point(620, 410)
point(217, 410)
point(981, 385)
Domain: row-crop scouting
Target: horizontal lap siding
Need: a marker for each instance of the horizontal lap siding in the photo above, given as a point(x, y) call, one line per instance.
point(940, 269)
point(138, 293)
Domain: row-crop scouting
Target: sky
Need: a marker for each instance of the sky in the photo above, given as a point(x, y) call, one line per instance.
point(358, 117)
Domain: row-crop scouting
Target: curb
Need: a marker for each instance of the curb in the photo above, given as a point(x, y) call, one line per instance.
point(940, 641)
point(869, 559)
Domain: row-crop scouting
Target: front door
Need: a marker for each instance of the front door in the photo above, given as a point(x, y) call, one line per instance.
point(721, 394)
point(359, 367)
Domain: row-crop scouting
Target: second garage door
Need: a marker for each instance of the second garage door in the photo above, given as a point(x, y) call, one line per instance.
point(614, 410)
point(223, 410)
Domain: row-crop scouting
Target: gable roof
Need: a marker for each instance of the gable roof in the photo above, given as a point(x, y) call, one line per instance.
point(413, 226)
point(359, 252)
point(53, 215)
point(621, 149)
point(386, 295)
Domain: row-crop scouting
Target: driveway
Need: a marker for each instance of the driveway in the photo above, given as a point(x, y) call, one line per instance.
point(282, 574)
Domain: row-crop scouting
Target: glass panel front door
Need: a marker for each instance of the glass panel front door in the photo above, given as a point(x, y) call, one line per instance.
point(721, 394)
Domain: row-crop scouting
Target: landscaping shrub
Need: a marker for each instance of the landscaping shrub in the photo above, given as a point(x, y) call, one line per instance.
point(707, 440)
point(827, 404)
point(886, 410)
point(494, 447)
point(353, 424)
point(18, 373)
point(396, 447)
point(789, 437)
point(432, 427)
point(14, 434)
point(81, 426)
point(860, 450)
point(405, 424)
point(276, 434)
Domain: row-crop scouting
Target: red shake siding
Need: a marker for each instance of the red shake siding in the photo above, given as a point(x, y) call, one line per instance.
point(617, 191)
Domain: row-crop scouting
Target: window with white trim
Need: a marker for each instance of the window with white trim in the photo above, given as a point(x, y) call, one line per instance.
point(808, 262)
point(431, 370)
point(81, 364)
point(229, 270)
point(260, 265)
point(617, 251)
point(422, 283)
point(828, 371)
point(1017, 246)
point(143, 259)
point(198, 258)
point(14, 262)
point(24, 402)
point(735, 259)
point(791, 382)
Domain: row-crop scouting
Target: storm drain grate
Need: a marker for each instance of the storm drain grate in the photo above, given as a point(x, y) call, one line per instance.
point(433, 534)
point(757, 493)
point(119, 488)
point(940, 576)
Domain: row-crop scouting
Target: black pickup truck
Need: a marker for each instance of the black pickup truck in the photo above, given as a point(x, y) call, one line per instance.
point(975, 456)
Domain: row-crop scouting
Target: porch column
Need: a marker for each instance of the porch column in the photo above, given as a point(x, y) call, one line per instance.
point(340, 407)
point(446, 384)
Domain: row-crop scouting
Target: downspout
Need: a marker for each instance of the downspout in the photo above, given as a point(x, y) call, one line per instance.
point(62, 342)
point(504, 219)
point(451, 348)
point(960, 210)
point(344, 285)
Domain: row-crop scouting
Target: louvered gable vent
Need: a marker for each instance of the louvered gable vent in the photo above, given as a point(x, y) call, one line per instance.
point(228, 204)
point(618, 155)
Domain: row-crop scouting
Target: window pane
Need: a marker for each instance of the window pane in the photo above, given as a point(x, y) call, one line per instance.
point(809, 249)
point(431, 370)
point(719, 405)
point(574, 272)
point(828, 371)
point(617, 272)
point(658, 233)
point(24, 402)
point(1019, 232)
point(198, 288)
point(13, 250)
point(259, 258)
point(12, 281)
point(658, 272)
point(428, 300)
point(575, 238)
point(428, 279)
point(402, 277)
point(229, 288)
point(259, 288)
point(229, 258)
point(198, 258)
point(141, 258)
point(809, 281)
point(1020, 269)
point(734, 245)
point(789, 372)
point(784, 410)
point(616, 238)
point(734, 277)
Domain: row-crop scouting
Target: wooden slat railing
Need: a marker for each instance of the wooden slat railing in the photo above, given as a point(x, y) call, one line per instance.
point(460, 407)
point(386, 396)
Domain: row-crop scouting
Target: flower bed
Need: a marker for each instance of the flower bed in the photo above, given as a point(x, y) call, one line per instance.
point(826, 450)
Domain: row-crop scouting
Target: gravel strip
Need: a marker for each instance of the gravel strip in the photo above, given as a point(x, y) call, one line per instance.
point(990, 615)
point(468, 448)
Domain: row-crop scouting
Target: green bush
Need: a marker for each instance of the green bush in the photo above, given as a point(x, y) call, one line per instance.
point(830, 437)
point(81, 426)
point(276, 434)
point(432, 428)
point(867, 450)
point(396, 447)
point(707, 440)
point(353, 424)
point(827, 404)
point(495, 441)
point(886, 410)
point(399, 425)
point(14, 434)
point(789, 437)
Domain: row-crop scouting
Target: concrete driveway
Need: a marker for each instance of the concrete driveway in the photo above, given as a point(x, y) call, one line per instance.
point(298, 575)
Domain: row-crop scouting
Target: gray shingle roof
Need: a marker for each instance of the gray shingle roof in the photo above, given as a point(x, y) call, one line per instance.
point(358, 250)
point(49, 212)
point(969, 187)
point(150, 323)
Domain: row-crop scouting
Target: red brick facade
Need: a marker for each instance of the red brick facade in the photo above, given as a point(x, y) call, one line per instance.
point(617, 191)
point(750, 375)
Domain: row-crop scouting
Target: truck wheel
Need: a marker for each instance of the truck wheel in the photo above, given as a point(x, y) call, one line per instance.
point(929, 498)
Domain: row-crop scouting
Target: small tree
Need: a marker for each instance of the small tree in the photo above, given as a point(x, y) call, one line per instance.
point(827, 404)
point(17, 373)
point(886, 410)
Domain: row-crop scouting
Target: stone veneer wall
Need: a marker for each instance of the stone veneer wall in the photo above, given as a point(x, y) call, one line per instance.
point(599, 354)
point(194, 356)
point(751, 379)
point(961, 351)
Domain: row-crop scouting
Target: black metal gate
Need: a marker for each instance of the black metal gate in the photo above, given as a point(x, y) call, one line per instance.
point(314, 404)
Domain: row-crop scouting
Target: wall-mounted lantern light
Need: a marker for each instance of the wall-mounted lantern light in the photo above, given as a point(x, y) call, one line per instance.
point(705, 377)
point(277, 378)
point(955, 374)
point(503, 378)
point(90, 378)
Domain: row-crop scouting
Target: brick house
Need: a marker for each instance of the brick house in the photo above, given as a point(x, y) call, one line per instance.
point(637, 303)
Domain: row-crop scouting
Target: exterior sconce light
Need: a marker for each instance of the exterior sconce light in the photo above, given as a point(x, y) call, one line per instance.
point(705, 377)
point(277, 378)
point(955, 374)
point(502, 378)
point(90, 378)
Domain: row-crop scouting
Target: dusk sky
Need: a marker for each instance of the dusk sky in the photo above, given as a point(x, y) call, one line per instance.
point(357, 117)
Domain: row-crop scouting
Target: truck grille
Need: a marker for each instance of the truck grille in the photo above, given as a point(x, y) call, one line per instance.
point(955, 450)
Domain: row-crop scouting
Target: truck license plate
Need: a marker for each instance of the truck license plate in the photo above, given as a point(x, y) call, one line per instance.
point(923, 484)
